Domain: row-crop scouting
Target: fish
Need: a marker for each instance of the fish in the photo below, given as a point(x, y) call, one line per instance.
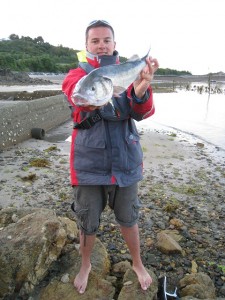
point(99, 86)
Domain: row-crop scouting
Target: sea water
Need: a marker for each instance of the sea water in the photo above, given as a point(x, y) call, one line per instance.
point(200, 115)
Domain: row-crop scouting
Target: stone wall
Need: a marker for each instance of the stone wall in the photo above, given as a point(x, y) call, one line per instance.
point(17, 118)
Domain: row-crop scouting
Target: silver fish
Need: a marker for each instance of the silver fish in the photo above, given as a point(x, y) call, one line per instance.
point(98, 87)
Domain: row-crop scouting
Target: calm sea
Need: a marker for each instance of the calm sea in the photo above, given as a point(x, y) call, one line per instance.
point(193, 113)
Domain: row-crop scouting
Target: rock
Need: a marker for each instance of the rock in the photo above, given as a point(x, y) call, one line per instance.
point(197, 285)
point(200, 145)
point(10, 77)
point(70, 228)
point(194, 267)
point(166, 244)
point(149, 242)
point(132, 290)
point(190, 298)
point(39, 244)
point(98, 287)
point(65, 278)
point(174, 234)
point(176, 223)
point(27, 249)
point(122, 267)
point(11, 215)
point(222, 290)
point(15, 218)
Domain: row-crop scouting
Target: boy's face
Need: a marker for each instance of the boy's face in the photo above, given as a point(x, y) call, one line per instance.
point(100, 41)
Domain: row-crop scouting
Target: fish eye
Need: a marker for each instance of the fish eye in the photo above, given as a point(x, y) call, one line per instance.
point(93, 88)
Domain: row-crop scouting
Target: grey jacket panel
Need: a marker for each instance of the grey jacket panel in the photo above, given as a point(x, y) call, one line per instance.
point(109, 148)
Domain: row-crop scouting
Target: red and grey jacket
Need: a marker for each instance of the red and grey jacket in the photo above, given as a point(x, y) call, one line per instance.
point(109, 152)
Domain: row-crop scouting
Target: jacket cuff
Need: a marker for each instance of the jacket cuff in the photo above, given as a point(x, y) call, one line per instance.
point(138, 100)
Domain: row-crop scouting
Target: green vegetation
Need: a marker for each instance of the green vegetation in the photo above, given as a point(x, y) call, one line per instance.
point(144, 149)
point(168, 71)
point(35, 55)
point(52, 148)
point(30, 177)
point(222, 267)
point(39, 162)
point(171, 205)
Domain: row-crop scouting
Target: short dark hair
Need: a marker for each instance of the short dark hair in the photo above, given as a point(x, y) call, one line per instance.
point(98, 23)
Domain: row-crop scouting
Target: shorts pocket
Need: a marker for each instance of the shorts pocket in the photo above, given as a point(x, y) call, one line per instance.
point(136, 209)
point(81, 215)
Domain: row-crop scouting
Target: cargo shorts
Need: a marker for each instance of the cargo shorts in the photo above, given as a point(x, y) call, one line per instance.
point(90, 201)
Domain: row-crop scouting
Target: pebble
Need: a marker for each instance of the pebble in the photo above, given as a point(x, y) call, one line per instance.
point(128, 283)
point(65, 278)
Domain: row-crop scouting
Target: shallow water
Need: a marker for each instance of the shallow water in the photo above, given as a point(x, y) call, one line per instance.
point(30, 88)
point(193, 113)
point(188, 111)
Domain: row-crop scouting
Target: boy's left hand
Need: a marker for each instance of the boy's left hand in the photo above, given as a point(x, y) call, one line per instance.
point(146, 76)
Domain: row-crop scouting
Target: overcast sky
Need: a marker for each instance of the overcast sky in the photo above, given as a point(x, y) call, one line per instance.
point(183, 34)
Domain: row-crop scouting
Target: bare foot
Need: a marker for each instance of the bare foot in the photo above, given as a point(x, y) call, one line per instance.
point(143, 277)
point(81, 280)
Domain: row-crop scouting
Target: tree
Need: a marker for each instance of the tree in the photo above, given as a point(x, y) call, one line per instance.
point(13, 37)
point(39, 40)
point(26, 38)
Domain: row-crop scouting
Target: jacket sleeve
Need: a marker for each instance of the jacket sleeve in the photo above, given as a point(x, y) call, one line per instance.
point(141, 109)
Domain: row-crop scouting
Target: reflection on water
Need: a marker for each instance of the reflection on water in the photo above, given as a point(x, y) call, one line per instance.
point(194, 113)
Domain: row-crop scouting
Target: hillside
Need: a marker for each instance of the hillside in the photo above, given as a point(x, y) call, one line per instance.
point(35, 55)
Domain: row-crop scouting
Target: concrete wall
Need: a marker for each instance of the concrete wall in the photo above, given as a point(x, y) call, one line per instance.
point(17, 118)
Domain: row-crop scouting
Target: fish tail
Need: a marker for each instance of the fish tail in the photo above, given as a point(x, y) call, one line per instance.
point(148, 53)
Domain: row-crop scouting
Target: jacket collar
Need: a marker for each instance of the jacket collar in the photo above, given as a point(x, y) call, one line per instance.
point(98, 61)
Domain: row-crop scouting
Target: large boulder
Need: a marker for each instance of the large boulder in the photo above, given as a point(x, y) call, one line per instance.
point(39, 257)
point(167, 244)
point(132, 290)
point(61, 286)
point(28, 246)
point(197, 285)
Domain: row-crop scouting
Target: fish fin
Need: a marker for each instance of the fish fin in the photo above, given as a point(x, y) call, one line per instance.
point(118, 90)
point(134, 58)
point(116, 95)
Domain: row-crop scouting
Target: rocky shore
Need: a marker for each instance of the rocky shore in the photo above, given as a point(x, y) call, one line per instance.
point(8, 77)
point(182, 195)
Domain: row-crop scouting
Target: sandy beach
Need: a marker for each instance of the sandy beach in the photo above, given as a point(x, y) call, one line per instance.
point(184, 180)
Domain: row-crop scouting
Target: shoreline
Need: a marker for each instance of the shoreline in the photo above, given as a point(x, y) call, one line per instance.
point(159, 146)
point(54, 81)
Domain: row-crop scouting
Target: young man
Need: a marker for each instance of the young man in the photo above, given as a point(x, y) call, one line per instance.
point(106, 156)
